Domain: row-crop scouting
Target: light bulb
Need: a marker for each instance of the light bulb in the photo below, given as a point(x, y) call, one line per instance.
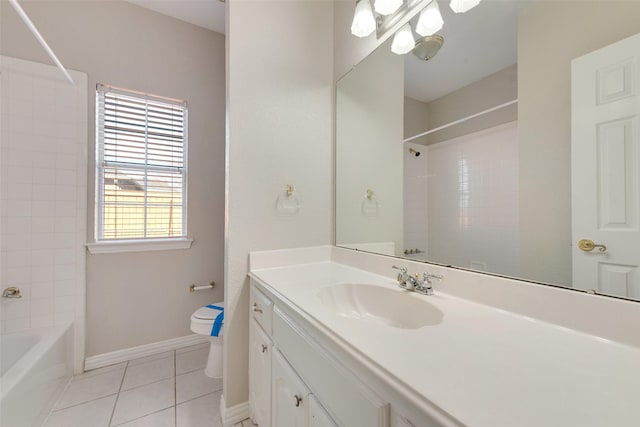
point(387, 7)
point(403, 41)
point(363, 21)
point(462, 6)
point(430, 21)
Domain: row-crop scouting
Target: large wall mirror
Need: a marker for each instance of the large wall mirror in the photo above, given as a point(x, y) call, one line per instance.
point(515, 150)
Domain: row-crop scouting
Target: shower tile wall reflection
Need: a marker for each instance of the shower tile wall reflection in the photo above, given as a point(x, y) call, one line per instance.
point(416, 201)
point(42, 194)
point(473, 201)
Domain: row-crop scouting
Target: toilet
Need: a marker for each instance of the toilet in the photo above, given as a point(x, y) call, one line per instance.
point(201, 323)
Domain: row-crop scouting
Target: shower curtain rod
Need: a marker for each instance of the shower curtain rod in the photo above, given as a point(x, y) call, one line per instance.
point(464, 119)
point(41, 39)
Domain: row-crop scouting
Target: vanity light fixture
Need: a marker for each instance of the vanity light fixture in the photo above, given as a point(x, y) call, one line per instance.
point(363, 21)
point(462, 6)
point(387, 7)
point(403, 41)
point(430, 21)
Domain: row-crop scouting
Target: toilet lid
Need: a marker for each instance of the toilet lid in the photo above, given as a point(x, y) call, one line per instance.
point(205, 313)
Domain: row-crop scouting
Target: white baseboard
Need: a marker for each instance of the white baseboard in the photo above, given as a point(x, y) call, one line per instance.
point(233, 415)
point(106, 359)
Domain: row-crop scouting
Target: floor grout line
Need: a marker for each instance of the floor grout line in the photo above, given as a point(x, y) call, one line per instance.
point(124, 371)
point(82, 403)
point(115, 404)
point(142, 416)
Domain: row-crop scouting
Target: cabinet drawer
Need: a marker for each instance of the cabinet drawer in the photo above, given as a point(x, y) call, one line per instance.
point(348, 400)
point(261, 309)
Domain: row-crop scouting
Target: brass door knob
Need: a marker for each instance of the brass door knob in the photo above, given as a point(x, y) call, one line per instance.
point(588, 245)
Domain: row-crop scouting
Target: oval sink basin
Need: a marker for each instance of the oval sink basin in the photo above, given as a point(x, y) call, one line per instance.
point(380, 305)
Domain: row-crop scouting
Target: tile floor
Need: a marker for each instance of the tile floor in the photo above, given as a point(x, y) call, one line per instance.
point(164, 390)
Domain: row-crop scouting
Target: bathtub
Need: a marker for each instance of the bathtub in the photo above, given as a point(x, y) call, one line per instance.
point(36, 365)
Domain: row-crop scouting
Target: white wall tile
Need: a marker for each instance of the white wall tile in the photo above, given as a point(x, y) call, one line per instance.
point(40, 241)
point(64, 256)
point(16, 276)
point(44, 192)
point(41, 307)
point(44, 175)
point(65, 161)
point(65, 224)
point(43, 208)
point(43, 290)
point(474, 189)
point(43, 150)
point(17, 308)
point(43, 224)
point(15, 325)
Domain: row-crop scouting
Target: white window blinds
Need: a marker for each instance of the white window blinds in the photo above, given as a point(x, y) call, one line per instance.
point(140, 165)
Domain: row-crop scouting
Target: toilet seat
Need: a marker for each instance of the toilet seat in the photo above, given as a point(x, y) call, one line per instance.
point(205, 313)
point(202, 320)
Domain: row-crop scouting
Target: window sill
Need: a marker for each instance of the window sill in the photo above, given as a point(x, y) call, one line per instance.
point(111, 247)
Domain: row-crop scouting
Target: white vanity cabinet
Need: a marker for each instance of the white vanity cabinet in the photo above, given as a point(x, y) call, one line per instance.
point(295, 382)
point(260, 355)
point(318, 416)
point(277, 395)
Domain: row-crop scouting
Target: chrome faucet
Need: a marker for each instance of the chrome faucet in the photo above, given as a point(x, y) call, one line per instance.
point(405, 280)
point(415, 283)
point(424, 286)
point(11, 292)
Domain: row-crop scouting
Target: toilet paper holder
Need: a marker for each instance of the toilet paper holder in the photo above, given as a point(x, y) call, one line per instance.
point(194, 288)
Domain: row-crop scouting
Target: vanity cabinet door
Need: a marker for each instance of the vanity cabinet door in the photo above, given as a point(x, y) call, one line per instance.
point(290, 397)
point(260, 348)
point(318, 417)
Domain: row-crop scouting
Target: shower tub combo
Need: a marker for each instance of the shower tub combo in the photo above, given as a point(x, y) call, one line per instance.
point(36, 366)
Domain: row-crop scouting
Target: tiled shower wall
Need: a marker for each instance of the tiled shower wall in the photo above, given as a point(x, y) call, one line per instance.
point(416, 201)
point(43, 195)
point(473, 210)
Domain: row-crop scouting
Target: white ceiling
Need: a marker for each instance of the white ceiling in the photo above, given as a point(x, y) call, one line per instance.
point(203, 13)
point(476, 44)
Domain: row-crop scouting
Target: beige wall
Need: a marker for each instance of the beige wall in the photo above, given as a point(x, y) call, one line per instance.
point(139, 298)
point(415, 120)
point(493, 90)
point(280, 116)
point(550, 35)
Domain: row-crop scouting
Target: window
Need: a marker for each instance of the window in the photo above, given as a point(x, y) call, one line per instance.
point(141, 143)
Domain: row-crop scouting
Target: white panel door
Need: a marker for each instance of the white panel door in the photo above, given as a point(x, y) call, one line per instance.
point(289, 395)
point(260, 348)
point(605, 168)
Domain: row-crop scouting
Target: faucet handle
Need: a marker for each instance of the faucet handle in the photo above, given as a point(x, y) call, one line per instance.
point(405, 281)
point(11, 292)
point(402, 269)
point(426, 276)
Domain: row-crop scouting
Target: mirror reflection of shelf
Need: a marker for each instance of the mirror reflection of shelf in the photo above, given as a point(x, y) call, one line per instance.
point(462, 120)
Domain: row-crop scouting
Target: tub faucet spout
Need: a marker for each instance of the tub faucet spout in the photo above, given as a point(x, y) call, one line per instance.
point(11, 292)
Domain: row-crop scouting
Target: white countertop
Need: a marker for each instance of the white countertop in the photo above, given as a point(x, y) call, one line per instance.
point(484, 366)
